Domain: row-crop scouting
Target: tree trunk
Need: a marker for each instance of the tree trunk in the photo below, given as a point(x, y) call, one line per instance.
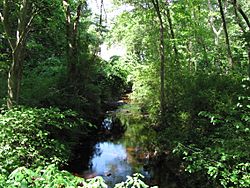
point(71, 34)
point(172, 33)
point(237, 9)
point(243, 14)
point(17, 41)
point(14, 78)
point(162, 60)
point(229, 52)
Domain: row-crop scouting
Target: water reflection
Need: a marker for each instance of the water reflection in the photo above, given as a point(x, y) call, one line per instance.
point(107, 123)
point(112, 162)
point(126, 154)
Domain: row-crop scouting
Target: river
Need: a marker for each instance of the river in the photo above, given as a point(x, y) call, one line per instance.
point(116, 156)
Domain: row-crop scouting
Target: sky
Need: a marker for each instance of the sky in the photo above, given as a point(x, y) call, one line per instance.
point(111, 13)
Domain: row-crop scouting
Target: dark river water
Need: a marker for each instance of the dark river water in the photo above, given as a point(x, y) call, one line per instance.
point(116, 158)
point(110, 158)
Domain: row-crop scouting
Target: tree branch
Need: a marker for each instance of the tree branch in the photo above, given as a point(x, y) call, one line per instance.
point(6, 24)
point(211, 21)
point(243, 14)
point(78, 15)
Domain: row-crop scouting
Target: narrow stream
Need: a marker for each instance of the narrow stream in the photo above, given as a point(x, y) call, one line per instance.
point(116, 157)
point(112, 160)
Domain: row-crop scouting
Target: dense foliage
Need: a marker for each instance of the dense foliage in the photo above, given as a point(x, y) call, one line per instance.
point(34, 137)
point(205, 121)
point(52, 177)
point(188, 63)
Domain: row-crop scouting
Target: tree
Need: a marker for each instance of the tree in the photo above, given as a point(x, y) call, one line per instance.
point(162, 57)
point(72, 23)
point(216, 31)
point(16, 35)
point(170, 23)
point(229, 52)
point(238, 9)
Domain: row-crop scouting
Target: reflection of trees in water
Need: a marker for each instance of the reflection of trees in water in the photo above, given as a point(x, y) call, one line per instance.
point(113, 168)
point(135, 140)
point(97, 151)
point(138, 140)
point(107, 123)
point(118, 172)
point(81, 156)
point(164, 173)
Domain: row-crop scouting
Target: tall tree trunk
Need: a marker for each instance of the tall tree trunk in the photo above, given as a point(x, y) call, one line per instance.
point(70, 54)
point(172, 32)
point(14, 78)
point(101, 14)
point(243, 14)
point(237, 9)
point(71, 34)
point(229, 52)
point(17, 41)
point(162, 59)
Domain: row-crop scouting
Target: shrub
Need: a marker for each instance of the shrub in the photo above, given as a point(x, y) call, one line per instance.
point(34, 137)
point(52, 177)
point(224, 156)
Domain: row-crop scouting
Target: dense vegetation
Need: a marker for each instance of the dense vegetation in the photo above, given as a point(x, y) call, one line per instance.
point(192, 83)
point(189, 66)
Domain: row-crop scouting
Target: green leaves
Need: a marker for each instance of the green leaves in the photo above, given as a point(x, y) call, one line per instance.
point(214, 118)
point(52, 177)
point(36, 137)
point(96, 182)
point(133, 182)
point(48, 177)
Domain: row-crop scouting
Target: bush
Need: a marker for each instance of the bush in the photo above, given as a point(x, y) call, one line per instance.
point(52, 177)
point(34, 137)
point(224, 155)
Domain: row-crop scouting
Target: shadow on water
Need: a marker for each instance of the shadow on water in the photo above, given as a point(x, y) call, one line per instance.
point(114, 156)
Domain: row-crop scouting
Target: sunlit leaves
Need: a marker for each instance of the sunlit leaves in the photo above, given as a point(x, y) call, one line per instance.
point(29, 136)
point(51, 176)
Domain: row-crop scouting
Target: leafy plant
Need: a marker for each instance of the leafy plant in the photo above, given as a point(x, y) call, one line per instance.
point(52, 177)
point(34, 137)
point(225, 155)
point(133, 182)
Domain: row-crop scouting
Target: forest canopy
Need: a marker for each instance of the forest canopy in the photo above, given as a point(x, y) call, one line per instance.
point(186, 69)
